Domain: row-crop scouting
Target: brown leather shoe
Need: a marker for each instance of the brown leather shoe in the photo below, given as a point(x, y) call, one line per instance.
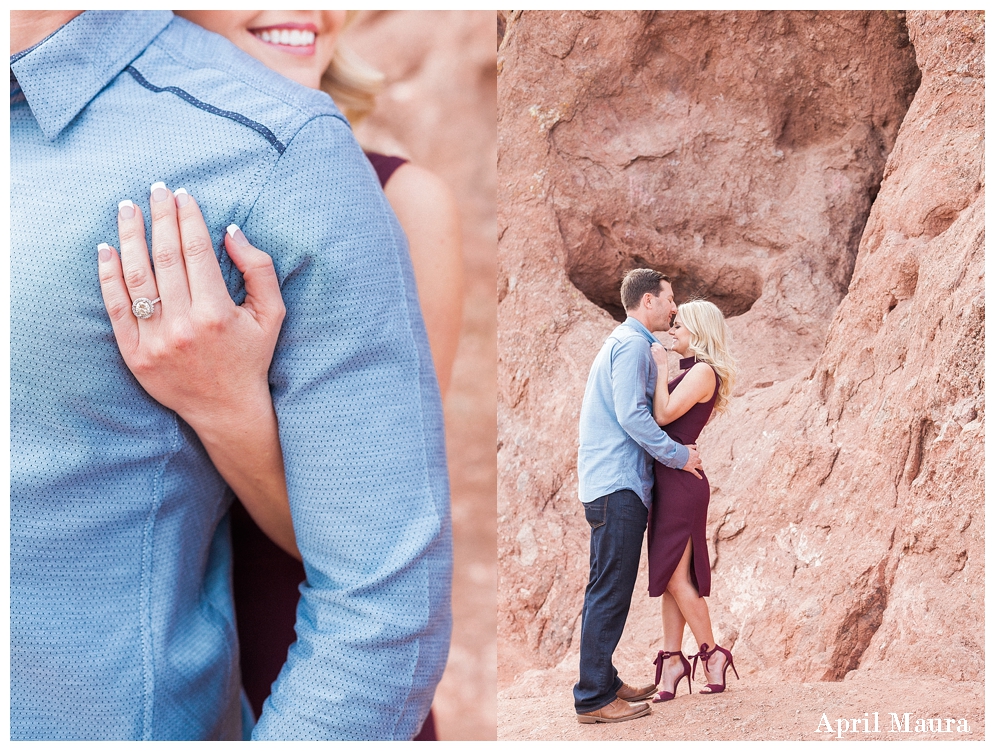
point(628, 693)
point(618, 711)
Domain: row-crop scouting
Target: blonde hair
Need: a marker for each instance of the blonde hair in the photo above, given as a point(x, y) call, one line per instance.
point(351, 82)
point(709, 343)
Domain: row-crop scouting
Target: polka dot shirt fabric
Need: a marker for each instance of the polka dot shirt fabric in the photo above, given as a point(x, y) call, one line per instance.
point(122, 625)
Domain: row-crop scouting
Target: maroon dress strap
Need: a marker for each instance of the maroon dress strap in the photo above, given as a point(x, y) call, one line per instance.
point(384, 165)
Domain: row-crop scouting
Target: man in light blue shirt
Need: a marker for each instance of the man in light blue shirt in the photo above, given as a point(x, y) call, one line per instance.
point(619, 439)
point(122, 624)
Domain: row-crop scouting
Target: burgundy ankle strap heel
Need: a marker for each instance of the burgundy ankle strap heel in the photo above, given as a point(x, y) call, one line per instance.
point(705, 654)
point(661, 658)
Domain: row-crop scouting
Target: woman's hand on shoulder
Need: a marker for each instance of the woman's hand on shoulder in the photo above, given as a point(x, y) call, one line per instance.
point(659, 353)
point(198, 353)
point(427, 211)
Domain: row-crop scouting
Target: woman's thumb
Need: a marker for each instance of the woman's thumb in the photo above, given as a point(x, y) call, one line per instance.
point(262, 288)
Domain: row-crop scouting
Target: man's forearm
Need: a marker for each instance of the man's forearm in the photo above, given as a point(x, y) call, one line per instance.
point(655, 441)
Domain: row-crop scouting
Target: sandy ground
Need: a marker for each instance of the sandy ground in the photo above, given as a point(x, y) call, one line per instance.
point(536, 704)
point(539, 706)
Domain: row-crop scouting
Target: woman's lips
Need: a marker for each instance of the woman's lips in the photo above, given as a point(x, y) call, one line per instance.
point(292, 38)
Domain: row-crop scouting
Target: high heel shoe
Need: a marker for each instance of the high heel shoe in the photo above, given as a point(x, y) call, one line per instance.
point(705, 654)
point(661, 658)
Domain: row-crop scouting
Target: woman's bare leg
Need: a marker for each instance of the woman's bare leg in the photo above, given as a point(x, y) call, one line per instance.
point(695, 611)
point(673, 637)
point(673, 624)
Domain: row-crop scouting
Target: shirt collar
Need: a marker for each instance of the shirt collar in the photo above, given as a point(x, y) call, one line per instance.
point(62, 73)
point(637, 326)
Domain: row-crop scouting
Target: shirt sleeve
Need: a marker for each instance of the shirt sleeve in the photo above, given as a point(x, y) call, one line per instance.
point(630, 367)
point(362, 434)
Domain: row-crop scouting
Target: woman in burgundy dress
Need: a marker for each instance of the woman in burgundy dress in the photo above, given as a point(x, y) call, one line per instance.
point(678, 555)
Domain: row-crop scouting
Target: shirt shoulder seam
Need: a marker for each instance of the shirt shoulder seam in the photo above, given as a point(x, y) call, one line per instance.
point(628, 342)
point(195, 64)
point(189, 98)
point(276, 164)
point(266, 180)
point(307, 113)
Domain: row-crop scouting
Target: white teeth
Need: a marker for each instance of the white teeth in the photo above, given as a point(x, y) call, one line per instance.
point(288, 37)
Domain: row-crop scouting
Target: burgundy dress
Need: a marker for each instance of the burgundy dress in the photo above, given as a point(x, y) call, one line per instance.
point(680, 504)
point(266, 580)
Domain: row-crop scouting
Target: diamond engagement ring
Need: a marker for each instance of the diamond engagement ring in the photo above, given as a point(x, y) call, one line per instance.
point(143, 307)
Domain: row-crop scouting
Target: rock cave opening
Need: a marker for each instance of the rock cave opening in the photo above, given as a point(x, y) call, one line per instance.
point(732, 289)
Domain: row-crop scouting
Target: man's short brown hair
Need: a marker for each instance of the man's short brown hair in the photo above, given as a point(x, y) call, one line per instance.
point(637, 283)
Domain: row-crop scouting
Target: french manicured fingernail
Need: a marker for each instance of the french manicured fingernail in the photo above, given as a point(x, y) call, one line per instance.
point(237, 234)
point(126, 209)
point(159, 192)
point(182, 197)
point(104, 252)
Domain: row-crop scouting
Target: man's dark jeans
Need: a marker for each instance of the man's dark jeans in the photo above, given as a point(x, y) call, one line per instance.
point(618, 522)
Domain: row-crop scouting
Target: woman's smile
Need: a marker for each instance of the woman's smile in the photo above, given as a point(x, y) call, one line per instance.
point(299, 44)
point(682, 337)
point(292, 38)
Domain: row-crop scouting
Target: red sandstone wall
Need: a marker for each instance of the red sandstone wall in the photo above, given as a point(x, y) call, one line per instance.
point(773, 162)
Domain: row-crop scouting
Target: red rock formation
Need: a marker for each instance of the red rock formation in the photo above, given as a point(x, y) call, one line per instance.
point(438, 110)
point(742, 153)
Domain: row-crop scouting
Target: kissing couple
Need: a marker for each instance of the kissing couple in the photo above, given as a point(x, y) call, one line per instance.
point(638, 468)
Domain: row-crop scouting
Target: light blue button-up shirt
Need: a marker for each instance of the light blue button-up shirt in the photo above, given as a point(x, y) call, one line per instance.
point(619, 439)
point(121, 620)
